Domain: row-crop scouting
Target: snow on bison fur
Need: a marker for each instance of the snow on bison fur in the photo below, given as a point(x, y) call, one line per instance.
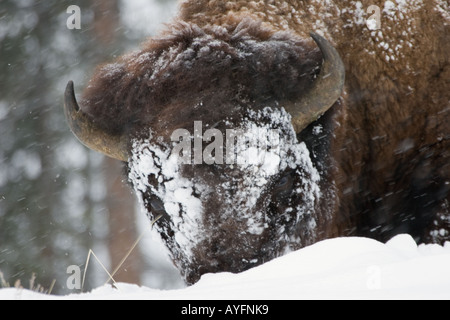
point(358, 126)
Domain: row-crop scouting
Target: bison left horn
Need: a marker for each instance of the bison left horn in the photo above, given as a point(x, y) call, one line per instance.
point(325, 91)
point(85, 129)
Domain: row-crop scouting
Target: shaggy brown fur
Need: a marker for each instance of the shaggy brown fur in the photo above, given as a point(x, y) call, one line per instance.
point(383, 154)
point(186, 64)
point(393, 139)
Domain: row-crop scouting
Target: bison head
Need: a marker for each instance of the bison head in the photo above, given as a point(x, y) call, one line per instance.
point(207, 120)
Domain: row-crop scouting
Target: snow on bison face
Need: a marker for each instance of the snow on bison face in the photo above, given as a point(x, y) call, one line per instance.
point(208, 120)
point(229, 215)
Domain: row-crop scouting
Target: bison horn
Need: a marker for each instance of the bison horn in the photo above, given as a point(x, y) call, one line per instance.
point(85, 129)
point(325, 91)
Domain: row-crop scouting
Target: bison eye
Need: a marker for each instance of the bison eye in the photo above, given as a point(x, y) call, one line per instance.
point(284, 185)
point(283, 182)
point(157, 206)
point(157, 209)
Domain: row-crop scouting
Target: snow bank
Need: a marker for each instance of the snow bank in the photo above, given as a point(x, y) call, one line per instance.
point(342, 268)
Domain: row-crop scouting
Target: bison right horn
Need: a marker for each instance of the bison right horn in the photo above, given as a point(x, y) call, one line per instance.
point(325, 91)
point(86, 130)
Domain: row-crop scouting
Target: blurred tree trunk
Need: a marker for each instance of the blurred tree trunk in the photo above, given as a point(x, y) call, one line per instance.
point(119, 200)
point(122, 229)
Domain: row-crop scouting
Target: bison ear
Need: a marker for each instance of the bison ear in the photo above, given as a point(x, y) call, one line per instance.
point(325, 91)
point(86, 130)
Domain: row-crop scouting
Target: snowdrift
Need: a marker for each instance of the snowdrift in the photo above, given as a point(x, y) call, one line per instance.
point(342, 268)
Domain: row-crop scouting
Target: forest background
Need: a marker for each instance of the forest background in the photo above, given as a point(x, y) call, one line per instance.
point(58, 200)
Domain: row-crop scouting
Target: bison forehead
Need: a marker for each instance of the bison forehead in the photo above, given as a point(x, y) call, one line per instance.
point(244, 62)
point(201, 201)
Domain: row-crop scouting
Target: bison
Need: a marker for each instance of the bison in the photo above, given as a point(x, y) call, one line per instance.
point(355, 104)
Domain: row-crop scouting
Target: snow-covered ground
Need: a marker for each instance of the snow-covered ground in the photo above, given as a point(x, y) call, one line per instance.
point(342, 268)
